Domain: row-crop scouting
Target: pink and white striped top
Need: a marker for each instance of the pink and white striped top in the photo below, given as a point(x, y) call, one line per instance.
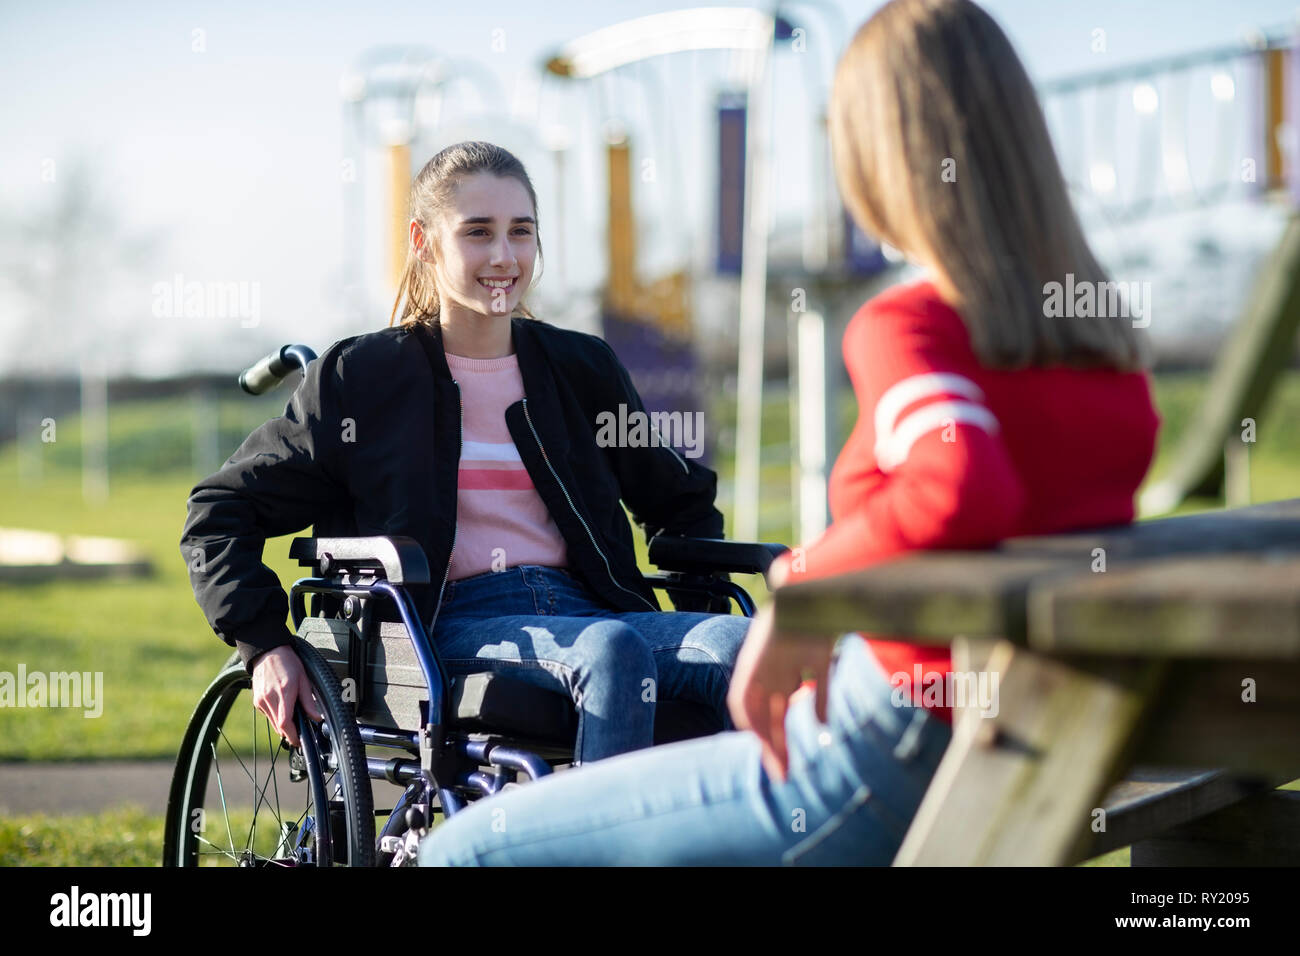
point(501, 520)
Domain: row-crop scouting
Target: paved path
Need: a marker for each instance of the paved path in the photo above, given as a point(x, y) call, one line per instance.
point(84, 787)
point(96, 786)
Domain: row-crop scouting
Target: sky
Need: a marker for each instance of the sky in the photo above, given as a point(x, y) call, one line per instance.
point(213, 136)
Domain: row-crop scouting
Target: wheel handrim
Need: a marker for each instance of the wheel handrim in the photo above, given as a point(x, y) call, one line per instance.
point(244, 806)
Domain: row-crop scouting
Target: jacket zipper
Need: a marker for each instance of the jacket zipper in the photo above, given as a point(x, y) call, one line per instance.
point(546, 458)
point(460, 444)
point(660, 443)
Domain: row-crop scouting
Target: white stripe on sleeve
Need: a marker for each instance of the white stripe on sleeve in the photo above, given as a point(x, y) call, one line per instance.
point(898, 445)
point(916, 387)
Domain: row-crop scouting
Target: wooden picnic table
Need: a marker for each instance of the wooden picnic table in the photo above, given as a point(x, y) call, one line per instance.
point(1165, 644)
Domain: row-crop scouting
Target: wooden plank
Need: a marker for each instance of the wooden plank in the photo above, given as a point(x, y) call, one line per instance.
point(928, 598)
point(931, 596)
point(1150, 800)
point(1263, 830)
point(1239, 607)
point(1021, 788)
point(971, 655)
point(1273, 524)
point(1200, 718)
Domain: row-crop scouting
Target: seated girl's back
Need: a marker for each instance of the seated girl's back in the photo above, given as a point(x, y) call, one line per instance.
point(998, 452)
point(948, 453)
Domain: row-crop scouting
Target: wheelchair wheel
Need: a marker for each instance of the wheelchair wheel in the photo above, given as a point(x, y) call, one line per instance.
point(240, 796)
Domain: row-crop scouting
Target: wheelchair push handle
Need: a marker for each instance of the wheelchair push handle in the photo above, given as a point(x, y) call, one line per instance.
point(270, 371)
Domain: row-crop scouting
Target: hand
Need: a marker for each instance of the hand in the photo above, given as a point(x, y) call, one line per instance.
point(771, 667)
point(279, 682)
point(778, 572)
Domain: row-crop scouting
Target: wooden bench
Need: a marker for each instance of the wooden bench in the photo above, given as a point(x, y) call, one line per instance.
point(1165, 645)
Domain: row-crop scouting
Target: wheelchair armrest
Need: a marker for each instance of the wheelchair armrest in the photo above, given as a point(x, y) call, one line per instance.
point(708, 555)
point(400, 558)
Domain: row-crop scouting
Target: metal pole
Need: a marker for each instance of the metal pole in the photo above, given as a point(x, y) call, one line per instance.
point(94, 431)
point(29, 446)
point(206, 447)
point(356, 301)
point(753, 304)
point(558, 217)
point(813, 416)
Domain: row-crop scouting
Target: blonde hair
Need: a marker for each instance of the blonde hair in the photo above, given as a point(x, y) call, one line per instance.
point(941, 150)
point(431, 193)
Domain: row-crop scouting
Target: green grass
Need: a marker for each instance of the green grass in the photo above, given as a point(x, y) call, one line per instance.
point(147, 636)
point(122, 837)
point(1275, 456)
point(1118, 857)
point(157, 653)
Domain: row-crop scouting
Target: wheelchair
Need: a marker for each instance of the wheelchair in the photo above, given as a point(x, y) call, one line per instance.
point(241, 796)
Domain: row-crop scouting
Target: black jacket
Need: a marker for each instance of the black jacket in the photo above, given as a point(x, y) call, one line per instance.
point(369, 444)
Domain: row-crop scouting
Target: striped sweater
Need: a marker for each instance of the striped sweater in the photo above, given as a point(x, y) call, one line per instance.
point(949, 454)
point(501, 521)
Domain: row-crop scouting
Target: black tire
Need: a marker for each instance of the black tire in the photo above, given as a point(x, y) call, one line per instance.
point(270, 791)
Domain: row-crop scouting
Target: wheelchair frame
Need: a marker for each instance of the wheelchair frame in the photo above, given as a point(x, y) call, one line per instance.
point(441, 758)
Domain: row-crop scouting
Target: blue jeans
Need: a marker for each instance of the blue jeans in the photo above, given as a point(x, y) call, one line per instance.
point(852, 789)
point(541, 625)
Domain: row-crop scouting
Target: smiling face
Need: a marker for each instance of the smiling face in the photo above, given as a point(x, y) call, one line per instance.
point(486, 246)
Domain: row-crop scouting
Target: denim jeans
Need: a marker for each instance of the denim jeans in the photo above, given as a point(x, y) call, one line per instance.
point(543, 626)
point(851, 791)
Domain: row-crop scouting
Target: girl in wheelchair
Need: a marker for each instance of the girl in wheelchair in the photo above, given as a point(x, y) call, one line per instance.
point(981, 417)
point(470, 426)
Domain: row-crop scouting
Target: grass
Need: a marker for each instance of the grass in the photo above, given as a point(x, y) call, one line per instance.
point(122, 837)
point(156, 651)
point(147, 636)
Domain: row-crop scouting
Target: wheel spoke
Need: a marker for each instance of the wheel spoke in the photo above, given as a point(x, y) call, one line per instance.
point(219, 850)
point(251, 777)
point(274, 749)
point(252, 829)
point(216, 765)
point(236, 755)
point(262, 791)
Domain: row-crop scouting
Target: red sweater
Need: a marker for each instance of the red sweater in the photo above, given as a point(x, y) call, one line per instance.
point(947, 454)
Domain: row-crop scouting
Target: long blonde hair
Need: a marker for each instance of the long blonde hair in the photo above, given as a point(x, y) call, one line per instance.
point(941, 149)
point(431, 192)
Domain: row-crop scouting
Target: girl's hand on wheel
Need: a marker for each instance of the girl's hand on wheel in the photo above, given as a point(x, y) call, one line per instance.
point(279, 682)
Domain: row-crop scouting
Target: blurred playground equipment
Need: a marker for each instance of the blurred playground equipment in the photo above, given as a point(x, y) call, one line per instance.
point(689, 215)
point(40, 556)
point(1140, 145)
point(1208, 130)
